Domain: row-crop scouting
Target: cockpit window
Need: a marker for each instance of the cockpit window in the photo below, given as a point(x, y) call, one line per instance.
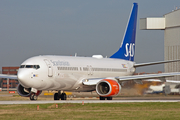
point(22, 66)
point(30, 66)
point(36, 66)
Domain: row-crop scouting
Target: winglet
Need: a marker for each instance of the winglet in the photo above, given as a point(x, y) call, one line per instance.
point(127, 49)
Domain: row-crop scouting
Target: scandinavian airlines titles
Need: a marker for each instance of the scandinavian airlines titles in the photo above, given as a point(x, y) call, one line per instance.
point(60, 63)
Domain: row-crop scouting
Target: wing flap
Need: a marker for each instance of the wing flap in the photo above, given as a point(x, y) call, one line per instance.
point(168, 81)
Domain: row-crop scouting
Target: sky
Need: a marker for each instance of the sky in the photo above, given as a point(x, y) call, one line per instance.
point(85, 27)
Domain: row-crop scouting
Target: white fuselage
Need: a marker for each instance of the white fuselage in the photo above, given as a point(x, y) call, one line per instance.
point(67, 72)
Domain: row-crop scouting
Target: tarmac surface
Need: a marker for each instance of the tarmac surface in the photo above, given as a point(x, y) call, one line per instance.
point(82, 101)
point(7, 99)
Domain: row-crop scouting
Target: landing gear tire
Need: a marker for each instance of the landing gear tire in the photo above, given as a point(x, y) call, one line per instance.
point(102, 98)
point(33, 97)
point(56, 96)
point(63, 96)
point(109, 98)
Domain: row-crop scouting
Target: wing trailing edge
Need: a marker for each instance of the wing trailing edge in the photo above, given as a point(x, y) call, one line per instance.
point(160, 76)
point(136, 78)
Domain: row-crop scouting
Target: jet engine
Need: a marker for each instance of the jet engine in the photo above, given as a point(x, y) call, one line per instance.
point(108, 87)
point(26, 92)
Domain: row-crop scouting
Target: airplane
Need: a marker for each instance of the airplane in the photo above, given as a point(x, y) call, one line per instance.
point(155, 89)
point(85, 74)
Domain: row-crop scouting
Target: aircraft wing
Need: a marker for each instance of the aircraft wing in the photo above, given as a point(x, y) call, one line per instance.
point(147, 76)
point(136, 78)
point(8, 76)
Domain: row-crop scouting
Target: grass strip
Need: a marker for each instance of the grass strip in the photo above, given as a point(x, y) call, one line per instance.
point(91, 111)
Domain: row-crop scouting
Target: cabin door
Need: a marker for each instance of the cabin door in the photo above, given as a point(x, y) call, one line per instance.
point(50, 69)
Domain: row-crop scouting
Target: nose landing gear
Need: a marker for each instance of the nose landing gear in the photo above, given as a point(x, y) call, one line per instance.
point(33, 96)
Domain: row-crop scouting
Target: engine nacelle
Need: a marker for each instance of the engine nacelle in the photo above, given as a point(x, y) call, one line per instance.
point(26, 92)
point(108, 87)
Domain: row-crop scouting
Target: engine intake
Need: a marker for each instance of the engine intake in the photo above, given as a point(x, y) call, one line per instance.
point(26, 92)
point(108, 87)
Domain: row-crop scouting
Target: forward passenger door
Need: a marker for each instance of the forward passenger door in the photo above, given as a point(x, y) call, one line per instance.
point(50, 69)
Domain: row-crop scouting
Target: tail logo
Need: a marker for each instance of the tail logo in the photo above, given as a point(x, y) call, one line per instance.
point(127, 48)
point(130, 50)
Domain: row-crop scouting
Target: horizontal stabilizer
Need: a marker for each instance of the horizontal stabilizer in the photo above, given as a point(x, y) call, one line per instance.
point(154, 63)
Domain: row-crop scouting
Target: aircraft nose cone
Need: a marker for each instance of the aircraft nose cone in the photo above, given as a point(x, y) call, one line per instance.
point(24, 78)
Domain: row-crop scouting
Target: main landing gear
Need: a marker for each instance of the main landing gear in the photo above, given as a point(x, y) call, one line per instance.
point(103, 98)
point(60, 95)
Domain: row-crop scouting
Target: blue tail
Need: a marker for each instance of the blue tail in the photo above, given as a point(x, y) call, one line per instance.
point(127, 49)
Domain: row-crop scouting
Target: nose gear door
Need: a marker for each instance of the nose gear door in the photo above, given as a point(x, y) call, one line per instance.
point(50, 69)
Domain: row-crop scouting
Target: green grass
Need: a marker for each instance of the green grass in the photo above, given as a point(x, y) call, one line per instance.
point(92, 111)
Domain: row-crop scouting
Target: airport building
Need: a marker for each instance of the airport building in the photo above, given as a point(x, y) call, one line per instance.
point(170, 23)
point(9, 84)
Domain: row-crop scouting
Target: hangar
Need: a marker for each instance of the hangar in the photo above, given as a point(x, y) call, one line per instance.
point(170, 23)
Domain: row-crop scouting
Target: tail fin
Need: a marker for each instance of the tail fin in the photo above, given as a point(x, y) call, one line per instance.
point(127, 49)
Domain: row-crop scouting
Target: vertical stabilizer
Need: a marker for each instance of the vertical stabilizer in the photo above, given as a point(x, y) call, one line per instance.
point(127, 49)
